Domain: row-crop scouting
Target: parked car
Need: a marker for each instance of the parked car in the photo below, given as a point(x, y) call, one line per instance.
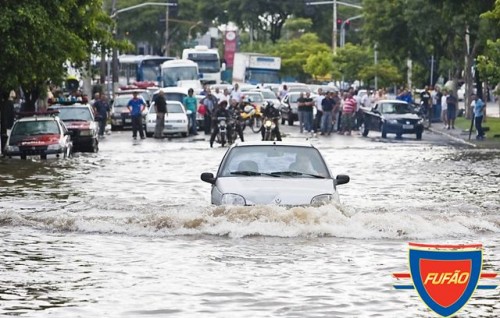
point(39, 135)
point(276, 173)
point(79, 120)
point(269, 96)
point(392, 116)
point(254, 97)
point(178, 94)
point(289, 108)
point(176, 120)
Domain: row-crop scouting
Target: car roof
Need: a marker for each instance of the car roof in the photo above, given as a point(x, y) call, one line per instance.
point(130, 91)
point(180, 90)
point(273, 143)
point(391, 101)
point(38, 118)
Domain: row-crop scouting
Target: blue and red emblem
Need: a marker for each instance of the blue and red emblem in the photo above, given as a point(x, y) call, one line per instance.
point(445, 276)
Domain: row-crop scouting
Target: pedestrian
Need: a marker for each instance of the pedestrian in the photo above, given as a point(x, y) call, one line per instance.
point(479, 108)
point(161, 110)
point(444, 108)
point(425, 101)
point(451, 105)
point(300, 111)
point(308, 113)
point(328, 105)
point(348, 114)
point(436, 99)
point(319, 110)
point(190, 103)
point(210, 102)
point(336, 112)
point(136, 106)
point(101, 110)
point(236, 93)
point(283, 92)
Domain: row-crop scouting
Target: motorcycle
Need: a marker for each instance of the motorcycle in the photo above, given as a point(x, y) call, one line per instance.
point(270, 128)
point(423, 112)
point(221, 136)
point(251, 116)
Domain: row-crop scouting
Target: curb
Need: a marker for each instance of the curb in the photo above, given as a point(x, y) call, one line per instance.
point(458, 139)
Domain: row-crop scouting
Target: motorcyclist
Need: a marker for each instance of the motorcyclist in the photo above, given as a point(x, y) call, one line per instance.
point(274, 114)
point(235, 113)
point(220, 111)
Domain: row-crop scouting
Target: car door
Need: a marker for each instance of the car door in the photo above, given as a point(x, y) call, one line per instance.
point(373, 118)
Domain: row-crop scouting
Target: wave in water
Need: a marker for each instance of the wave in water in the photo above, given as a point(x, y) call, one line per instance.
point(232, 221)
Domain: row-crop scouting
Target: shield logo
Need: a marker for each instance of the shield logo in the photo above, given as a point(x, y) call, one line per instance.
point(445, 276)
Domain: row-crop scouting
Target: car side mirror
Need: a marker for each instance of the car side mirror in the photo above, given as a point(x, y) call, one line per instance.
point(342, 179)
point(69, 133)
point(208, 177)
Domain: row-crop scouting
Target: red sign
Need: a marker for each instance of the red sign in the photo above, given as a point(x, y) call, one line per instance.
point(230, 44)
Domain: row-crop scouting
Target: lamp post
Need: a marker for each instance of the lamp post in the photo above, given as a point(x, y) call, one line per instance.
point(191, 28)
point(342, 28)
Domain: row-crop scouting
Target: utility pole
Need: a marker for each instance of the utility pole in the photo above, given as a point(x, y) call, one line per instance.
point(375, 61)
point(334, 35)
point(432, 70)
point(115, 53)
point(167, 48)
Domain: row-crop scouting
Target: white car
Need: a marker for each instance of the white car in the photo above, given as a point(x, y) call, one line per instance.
point(269, 96)
point(273, 173)
point(176, 120)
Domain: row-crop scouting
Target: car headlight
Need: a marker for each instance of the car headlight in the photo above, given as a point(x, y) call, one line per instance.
point(86, 132)
point(54, 147)
point(420, 122)
point(232, 199)
point(11, 148)
point(321, 199)
point(393, 121)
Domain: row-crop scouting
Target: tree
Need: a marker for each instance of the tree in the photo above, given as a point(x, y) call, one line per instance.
point(40, 37)
point(350, 60)
point(319, 64)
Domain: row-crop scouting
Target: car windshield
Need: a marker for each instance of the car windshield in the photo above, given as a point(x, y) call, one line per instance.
point(257, 98)
point(276, 161)
point(121, 101)
point(269, 94)
point(36, 127)
point(395, 108)
point(293, 98)
point(172, 108)
point(75, 113)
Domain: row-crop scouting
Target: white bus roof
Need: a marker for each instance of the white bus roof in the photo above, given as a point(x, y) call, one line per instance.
point(178, 63)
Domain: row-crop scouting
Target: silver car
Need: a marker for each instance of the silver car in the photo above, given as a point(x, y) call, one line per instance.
point(276, 173)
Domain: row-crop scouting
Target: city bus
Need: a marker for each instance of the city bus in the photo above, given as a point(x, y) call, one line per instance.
point(140, 68)
point(181, 73)
point(208, 61)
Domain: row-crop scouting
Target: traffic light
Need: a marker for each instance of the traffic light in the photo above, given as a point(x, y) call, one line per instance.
point(347, 25)
point(339, 23)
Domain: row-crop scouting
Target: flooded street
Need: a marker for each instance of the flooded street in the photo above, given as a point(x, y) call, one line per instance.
point(130, 232)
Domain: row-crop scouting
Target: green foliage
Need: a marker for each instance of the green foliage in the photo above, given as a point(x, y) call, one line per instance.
point(38, 37)
point(350, 60)
point(386, 72)
point(319, 64)
point(489, 63)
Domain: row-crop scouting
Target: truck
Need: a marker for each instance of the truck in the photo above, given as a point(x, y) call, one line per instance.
point(256, 68)
point(208, 61)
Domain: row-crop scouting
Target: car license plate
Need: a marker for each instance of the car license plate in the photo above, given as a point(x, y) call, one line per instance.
point(407, 126)
point(128, 120)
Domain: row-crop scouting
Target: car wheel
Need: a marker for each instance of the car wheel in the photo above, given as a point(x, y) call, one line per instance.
point(114, 128)
point(419, 135)
point(384, 131)
point(184, 134)
point(95, 146)
point(44, 156)
point(399, 136)
point(223, 139)
point(23, 157)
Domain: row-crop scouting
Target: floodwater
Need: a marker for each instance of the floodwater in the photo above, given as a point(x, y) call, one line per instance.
point(130, 232)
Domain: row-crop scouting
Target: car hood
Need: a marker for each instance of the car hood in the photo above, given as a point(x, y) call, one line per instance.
point(279, 190)
point(77, 124)
point(401, 116)
point(41, 140)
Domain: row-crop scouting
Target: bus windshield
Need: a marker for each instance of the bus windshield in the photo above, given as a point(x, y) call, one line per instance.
point(149, 70)
point(171, 76)
point(207, 63)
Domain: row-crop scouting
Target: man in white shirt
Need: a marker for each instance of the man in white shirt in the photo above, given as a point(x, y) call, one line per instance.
point(219, 95)
point(236, 93)
point(444, 108)
point(319, 110)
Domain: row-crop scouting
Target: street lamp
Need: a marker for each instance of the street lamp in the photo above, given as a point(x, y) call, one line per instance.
point(191, 28)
